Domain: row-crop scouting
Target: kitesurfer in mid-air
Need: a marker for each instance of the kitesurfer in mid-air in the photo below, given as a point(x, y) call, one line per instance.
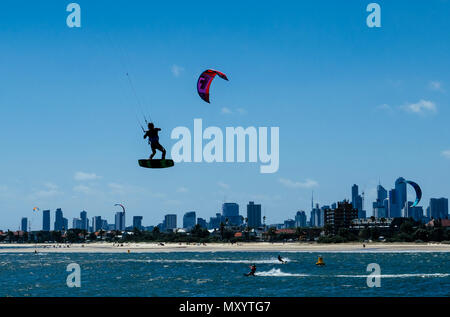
point(153, 140)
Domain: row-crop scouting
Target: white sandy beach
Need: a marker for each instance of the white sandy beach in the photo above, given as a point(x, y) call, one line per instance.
point(223, 247)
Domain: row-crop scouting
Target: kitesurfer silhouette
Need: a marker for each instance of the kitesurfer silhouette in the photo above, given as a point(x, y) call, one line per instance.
point(281, 259)
point(153, 140)
point(252, 270)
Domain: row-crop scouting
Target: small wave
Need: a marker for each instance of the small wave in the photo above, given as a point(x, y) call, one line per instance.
point(268, 261)
point(277, 273)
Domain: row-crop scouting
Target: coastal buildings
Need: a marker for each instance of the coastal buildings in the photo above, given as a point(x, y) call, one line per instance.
point(358, 201)
point(381, 205)
point(137, 222)
point(60, 223)
point(189, 220)
point(300, 219)
point(230, 211)
point(24, 224)
point(341, 217)
point(170, 222)
point(84, 220)
point(438, 208)
point(202, 223)
point(253, 215)
point(120, 221)
point(46, 220)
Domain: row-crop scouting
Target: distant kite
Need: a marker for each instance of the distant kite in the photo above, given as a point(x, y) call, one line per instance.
point(418, 192)
point(205, 80)
point(121, 206)
point(35, 209)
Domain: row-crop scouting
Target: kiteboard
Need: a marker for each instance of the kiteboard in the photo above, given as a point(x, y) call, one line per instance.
point(156, 163)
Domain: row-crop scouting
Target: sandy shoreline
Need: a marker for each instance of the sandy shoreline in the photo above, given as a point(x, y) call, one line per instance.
point(223, 247)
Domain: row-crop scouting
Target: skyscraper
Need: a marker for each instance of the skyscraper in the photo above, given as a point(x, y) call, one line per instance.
point(214, 222)
point(46, 220)
point(170, 222)
point(120, 221)
point(76, 223)
point(202, 223)
point(379, 210)
point(438, 208)
point(355, 194)
point(59, 220)
point(357, 202)
point(137, 222)
point(400, 191)
point(394, 207)
point(97, 223)
point(84, 220)
point(24, 224)
point(230, 211)
point(189, 220)
point(253, 215)
point(300, 219)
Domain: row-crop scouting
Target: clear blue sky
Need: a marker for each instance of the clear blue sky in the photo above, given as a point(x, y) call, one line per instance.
point(354, 104)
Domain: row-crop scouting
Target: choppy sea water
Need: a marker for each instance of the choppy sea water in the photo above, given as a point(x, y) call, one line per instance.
point(221, 274)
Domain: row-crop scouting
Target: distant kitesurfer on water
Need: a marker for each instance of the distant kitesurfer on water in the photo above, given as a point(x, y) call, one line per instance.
point(153, 140)
point(281, 259)
point(252, 270)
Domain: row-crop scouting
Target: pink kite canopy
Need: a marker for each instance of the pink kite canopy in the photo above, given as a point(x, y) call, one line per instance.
point(205, 80)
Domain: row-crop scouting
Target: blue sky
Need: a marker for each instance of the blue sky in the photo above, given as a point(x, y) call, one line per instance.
point(354, 104)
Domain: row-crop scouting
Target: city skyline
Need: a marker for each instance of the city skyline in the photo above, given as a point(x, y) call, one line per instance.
point(382, 207)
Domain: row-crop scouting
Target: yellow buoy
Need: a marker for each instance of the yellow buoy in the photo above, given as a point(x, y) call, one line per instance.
point(320, 261)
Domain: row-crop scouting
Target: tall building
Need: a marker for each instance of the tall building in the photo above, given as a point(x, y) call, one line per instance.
point(202, 223)
point(189, 220)
point(214, 222)
point(84, 220)
point(400, 190)
point(355, 194)
point(341, 217)
point(24, 224)
point(137, 222)
point(357, 202)
point(316, 217)
point(170, 222)
point(46, 220)
point(300, 219)
point(394, 207)
point(59, 220)
point(379, 206)
point(438, 208)
point(289, 224)
point(120, 221)
point(77, 223)
point(254, 215)
point(97, 223)
point(230, 211)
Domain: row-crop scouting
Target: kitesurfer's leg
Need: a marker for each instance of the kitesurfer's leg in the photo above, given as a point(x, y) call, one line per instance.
point(153, 152)
point(162, 149)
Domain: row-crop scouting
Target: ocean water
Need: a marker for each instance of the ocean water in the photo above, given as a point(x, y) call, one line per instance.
point(221, 274)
